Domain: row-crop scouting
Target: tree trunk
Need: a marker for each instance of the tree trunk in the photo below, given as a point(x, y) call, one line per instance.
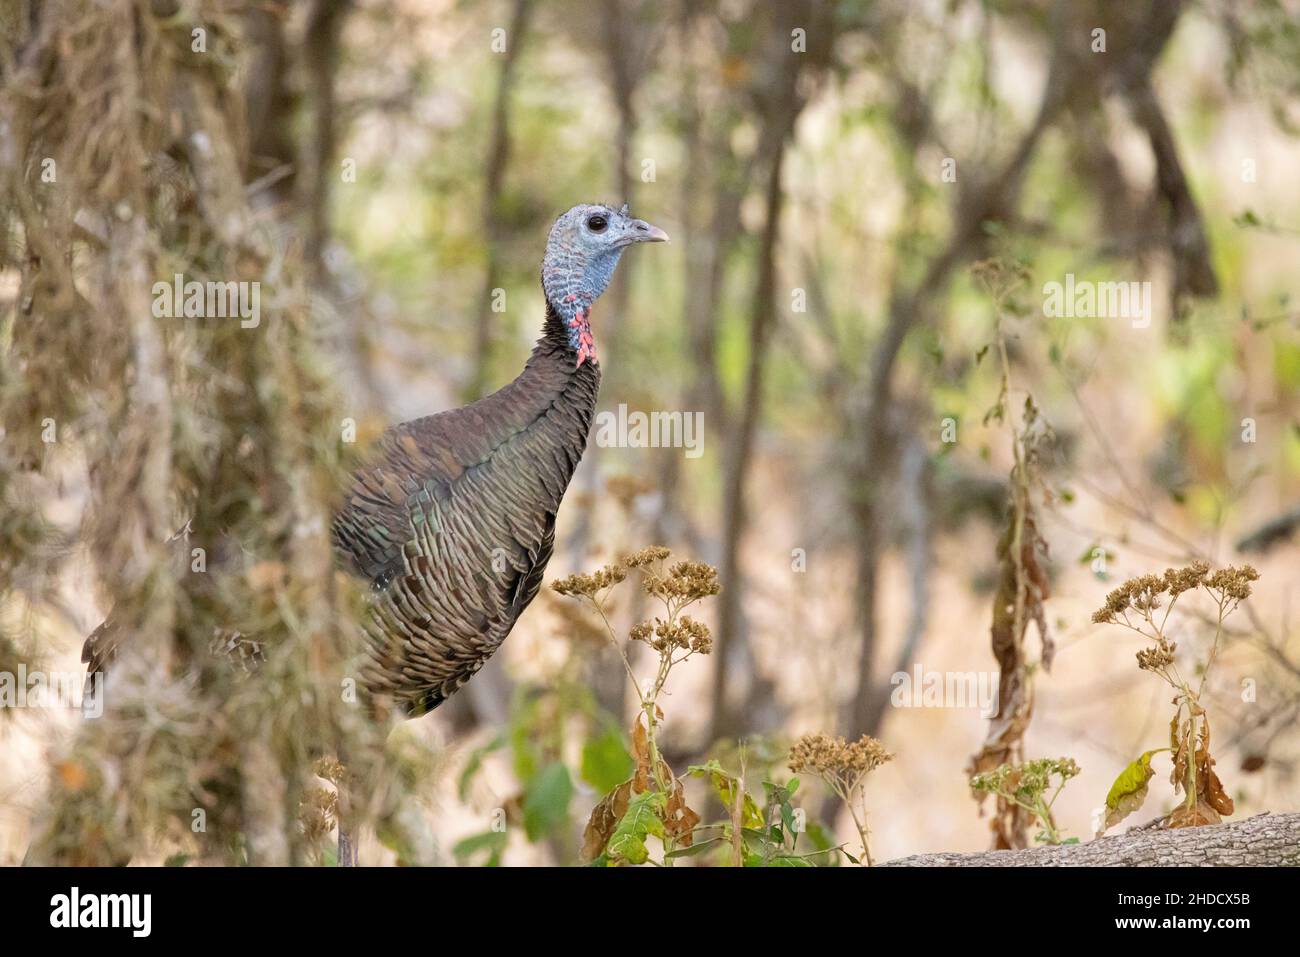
point(498, 159)
point(782, 100)
point(1265, 840)
point(321, 52)
point(726, 720)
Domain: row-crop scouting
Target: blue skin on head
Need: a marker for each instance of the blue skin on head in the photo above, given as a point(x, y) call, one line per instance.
point(582, 252)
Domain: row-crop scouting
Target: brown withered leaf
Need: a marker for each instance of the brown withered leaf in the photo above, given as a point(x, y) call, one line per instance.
point(1214, 794)
point(640, 754)
point(1024, 583)
point(1179, 732)
point(679, 819)
point(1037, 587)
point(641, 751)
point(1198, 816)
point(1208, 786)
point(1212, 800)
point(604, 818)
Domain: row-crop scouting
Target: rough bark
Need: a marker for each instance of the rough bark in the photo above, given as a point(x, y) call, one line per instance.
point(1265, 840)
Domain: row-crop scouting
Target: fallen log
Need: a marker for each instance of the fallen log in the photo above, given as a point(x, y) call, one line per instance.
point(1261, 841)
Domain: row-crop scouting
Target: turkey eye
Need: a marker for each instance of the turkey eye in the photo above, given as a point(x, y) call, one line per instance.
point(597, 224)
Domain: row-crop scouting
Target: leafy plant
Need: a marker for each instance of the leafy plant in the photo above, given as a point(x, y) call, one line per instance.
point(652, 801)
point(1136, 605)
point(1027, 786)
point(843, 767)
point(754, 836)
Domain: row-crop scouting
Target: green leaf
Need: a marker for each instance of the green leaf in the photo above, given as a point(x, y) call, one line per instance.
point(779, 795)
point(819, 837)
point(643, 819)
point(766, 836)
point(724, 785)
point(546, 800)
point(787, 818)
point(1129, 790)
point(785, 860)
point(606, 762)
point(698, 848)
point(491, 843)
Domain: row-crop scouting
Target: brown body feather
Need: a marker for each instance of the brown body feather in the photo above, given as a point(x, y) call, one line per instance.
point(454, 522)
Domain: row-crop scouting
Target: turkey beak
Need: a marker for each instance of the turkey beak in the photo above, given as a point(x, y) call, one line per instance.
point(639, 231)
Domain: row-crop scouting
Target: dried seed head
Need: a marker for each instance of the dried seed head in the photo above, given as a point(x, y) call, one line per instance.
point(834, 756)
point(1179, 580)
point(1143, 592)
point(646, 556)
point(1233, 582)
point(699, 638)
point(583, 585)
point(684, 582)
point(1158, 658)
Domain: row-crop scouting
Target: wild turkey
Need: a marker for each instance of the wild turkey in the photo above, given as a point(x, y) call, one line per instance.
point(453, 520)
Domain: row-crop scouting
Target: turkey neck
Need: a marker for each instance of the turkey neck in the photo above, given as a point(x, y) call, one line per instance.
point(545, 413)
point(553, 370)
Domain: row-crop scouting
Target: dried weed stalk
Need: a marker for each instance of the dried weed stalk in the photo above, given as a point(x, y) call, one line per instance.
point(652, 802)
point(1022, 570)
point(843, 766)
point(1027, 786)
point(1143, 605)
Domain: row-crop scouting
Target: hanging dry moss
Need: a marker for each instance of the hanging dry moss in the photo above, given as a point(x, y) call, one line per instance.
point(122, 157)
